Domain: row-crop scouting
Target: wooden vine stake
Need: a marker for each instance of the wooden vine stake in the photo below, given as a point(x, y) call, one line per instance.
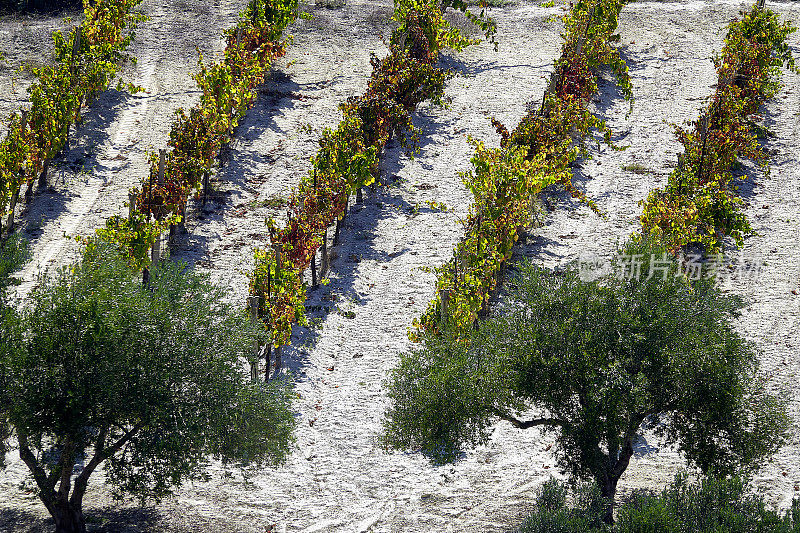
point(155, 252)
point(582, 38)
point(23, 124)
point(324, 269)
point(43, 175)
point(552, 86)
point(278, 260)
point(703, 141)
point(359, 196)
point(76, 44)
point(277, 350)
point(314, 269)
point(252, 305)
point(444, 298)
point(182, 223)
point(131, 204)
point(681, 167)
point(276, 353)
point(162, 154)
point(206, 187)
point(11, 207)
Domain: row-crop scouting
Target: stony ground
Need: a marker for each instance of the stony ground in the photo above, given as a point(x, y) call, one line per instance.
point(338, 479)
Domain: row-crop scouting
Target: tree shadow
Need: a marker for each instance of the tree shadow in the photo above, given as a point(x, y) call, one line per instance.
point(15, 520)
point(98, 520)
point(642, 448)
point(123, 519)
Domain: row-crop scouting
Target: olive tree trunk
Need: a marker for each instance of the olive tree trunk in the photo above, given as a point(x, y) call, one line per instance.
point(608, 489)
point(68, 517)
point(55, 486)
point(608, 477)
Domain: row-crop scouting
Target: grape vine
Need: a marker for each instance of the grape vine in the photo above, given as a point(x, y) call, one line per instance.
point(538, 153)
point(699, 203)
point(228, 91)
point(86, 60)
point(348, 155)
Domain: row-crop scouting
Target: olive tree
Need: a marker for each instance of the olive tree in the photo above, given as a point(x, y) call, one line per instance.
point(147, 381)
point(595, 362)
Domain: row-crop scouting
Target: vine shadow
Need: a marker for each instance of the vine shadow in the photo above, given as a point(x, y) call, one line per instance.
point(745, 172)
point(356, 245)
point(609, 95)
point(278, 94)
point(473, 68)
point(48, 203)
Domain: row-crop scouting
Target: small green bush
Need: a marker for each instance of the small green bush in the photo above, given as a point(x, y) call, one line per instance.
point(553, 515)
point(710, 506)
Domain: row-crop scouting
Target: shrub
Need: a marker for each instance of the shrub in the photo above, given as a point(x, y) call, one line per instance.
point(713, 505)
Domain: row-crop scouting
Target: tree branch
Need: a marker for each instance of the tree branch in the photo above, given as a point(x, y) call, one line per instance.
point(624, 458)
point(46, 484)
point(101, 454)
point(29, 459)
point(530, 423)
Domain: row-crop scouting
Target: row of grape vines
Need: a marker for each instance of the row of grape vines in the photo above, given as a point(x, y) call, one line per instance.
point(196, 137)
point(699, 203)
point(86, 60)
point(349, 155)
point(538, 153)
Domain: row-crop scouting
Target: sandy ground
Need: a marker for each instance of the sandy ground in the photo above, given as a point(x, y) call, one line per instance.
point(337, 479)
point(25, 43)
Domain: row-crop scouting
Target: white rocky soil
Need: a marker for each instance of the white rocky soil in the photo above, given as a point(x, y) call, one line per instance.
point(338, 478)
